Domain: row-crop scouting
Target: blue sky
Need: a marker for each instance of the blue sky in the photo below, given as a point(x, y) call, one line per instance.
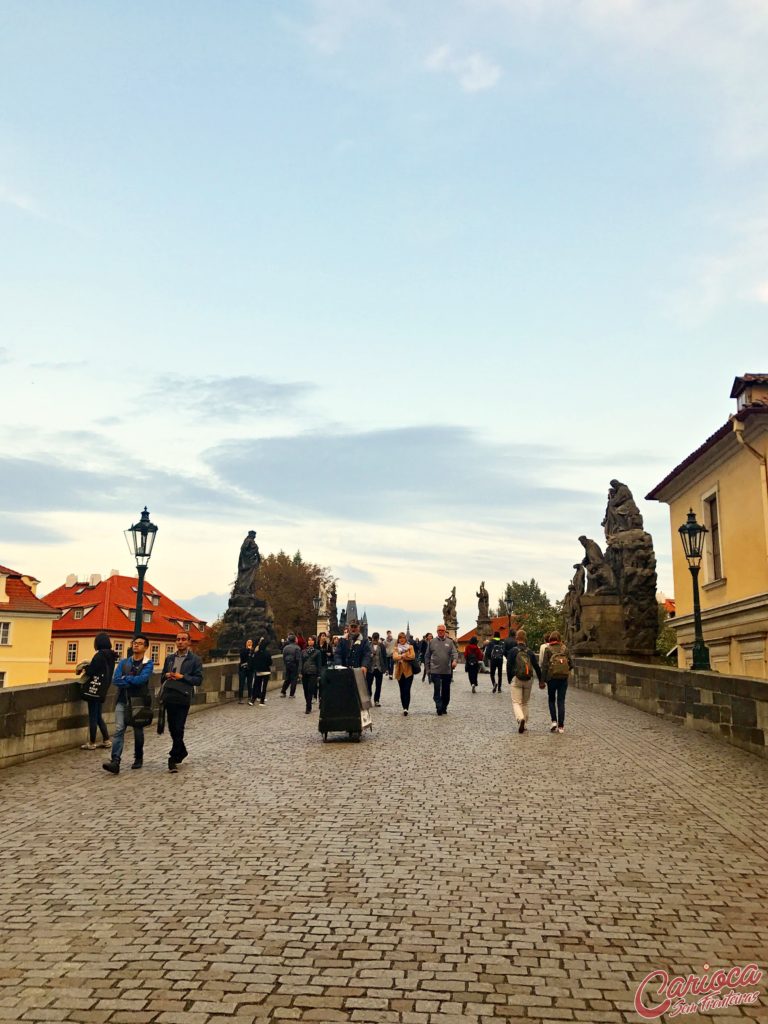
point(400, 285)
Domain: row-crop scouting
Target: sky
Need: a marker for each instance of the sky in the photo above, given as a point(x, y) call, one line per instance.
point(402, 286)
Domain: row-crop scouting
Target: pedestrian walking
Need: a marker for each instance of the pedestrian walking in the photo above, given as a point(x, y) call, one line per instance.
point(473, 655)
point(389, 643)
point(422, 649)
point(493, 655)
point(311, 666)
point(245, 683)
point(355, 650)
point(524, 665)
point(440, 661)
point(262, 670)
point(182, 672)
point(291, 665)
point(97, 678)
point(403, 656)
point(325, 648)
point(131, 678)
point(379, 663)
point(556, 667)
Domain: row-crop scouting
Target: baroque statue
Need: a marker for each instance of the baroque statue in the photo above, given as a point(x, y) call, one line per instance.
point(621, 512)
point(248, 565)
point(449, 611)
point(482, 602)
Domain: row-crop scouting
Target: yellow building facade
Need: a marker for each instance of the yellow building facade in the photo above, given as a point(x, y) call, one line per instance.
point(725, 482)
point(25, 630)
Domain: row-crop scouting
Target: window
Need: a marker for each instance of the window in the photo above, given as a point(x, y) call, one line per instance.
point(187, 626)
point(169, 649)
point(2, 679)
point(712, 550)
point(147, 617)
point(72, 653)
point(154, 652)
point(119, 648)
point(78, 613)
point(5, 634)
point(155, 599)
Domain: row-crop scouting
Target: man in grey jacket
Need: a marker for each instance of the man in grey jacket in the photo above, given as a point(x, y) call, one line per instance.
point(291, 665)
point(440, 661)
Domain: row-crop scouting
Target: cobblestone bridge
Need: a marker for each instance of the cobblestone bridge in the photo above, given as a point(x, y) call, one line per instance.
point(443, 870)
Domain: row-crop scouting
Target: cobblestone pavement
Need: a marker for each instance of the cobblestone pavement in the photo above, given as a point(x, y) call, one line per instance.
point(443, 870)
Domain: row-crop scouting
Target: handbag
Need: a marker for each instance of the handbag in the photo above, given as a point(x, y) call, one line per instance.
point(138, 707)
point(90, 687)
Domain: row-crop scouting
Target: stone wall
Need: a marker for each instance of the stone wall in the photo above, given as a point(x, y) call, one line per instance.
point(733, 708)
point(40, 720)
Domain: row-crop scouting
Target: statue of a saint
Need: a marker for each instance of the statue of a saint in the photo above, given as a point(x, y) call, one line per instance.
point(621, 512)
point(600, 574)
point(482, 602)
point(248, 565)
point(449, 610)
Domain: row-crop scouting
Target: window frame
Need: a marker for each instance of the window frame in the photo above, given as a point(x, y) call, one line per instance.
point(76, 645)
point(6, 628)
point(714, 564)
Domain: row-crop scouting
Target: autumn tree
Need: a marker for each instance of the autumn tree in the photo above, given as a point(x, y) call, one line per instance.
point(289, 584)
point(532, 608)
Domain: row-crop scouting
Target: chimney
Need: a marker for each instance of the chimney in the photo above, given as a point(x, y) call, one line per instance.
point(71, 580)
point(3, 596)
point(94, 579)
point(114, 572)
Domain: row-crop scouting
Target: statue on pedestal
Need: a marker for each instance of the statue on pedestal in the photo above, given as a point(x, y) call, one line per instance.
point(621, 512)
point(248, 565)
point(247, 617)
point(449, 612)
point(483, 603)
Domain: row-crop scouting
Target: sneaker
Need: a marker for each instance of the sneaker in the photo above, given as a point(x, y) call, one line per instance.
point(405, 714)
point(474, 689)
point(561, 728)
point(113, 767)
point(137, 764)
point(308, 711)
point(264, 701)
point(250, 703)
point(553, 727)
point(377, 704)
point(283, 694)
point(88, 746)
point(239, 702)
point(293, 696)
point(521, 726)
point(106, 745)
point(172, 766)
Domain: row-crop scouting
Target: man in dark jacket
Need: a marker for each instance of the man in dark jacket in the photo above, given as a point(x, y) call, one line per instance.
point(291, 665)
point(182, 672)
point(379, 662)
point(355, 650)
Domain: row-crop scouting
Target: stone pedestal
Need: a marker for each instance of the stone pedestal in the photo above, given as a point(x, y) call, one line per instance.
point(484, 631)
point(602, 625)
point(246, 618)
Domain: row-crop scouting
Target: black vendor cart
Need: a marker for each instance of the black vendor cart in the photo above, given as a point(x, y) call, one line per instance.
point(345, 705)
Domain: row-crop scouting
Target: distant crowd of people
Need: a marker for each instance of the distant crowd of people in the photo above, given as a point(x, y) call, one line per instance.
point(435, 658)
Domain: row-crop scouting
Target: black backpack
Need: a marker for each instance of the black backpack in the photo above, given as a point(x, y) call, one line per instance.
point(497, 652)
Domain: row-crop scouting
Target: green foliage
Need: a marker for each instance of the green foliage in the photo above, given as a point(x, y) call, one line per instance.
point(533, 610)
point(289, 584)
point(667, 637)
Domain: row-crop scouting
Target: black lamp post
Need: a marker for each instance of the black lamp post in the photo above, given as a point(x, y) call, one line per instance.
point(141, 540)
point(316, 606)
point(692, 536)
point(508, 603)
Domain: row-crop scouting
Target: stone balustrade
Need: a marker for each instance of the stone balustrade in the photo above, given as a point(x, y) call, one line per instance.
point(40, 720)
point(733, 708)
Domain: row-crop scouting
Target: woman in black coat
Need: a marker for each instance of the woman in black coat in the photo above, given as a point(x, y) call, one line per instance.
point(97, 678)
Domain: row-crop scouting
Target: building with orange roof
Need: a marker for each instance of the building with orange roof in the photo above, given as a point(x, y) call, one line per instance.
point(97, 605)
point(499, 624)
point(25, 630)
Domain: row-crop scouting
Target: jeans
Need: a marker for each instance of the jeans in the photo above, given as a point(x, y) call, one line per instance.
point(496, 670)
point(291, 677)
point(310, 689)
point(260, 686)
point(390, 665)
point(405, 683)
point(441, 683)
point(119, 737)
point(375, 676)
point(176, 718)
point(556, 692)
point(246, 681)
point(96, 721)
point(472, 671)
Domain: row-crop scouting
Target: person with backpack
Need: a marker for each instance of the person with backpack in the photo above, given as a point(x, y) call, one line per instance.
point(97, 677)
point(493, 656)
point(473, 655)
point(556, 667)
point(524, 665)
point(291, 665)
point(131, 678)
point(311, 667)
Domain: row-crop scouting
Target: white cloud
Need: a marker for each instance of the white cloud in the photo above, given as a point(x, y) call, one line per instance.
point(474, 73)
point(10, 197)
point(761, 292)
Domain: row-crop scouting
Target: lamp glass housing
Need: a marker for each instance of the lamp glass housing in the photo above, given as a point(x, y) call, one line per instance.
point(692, 535)
point(141, 538)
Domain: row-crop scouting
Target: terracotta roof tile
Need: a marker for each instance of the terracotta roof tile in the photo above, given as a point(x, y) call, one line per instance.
point(20, 597)
point(106, 601)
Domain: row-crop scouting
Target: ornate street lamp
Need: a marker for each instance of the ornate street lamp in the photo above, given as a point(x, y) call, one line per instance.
point(141, 539)
point(508, 604)
point(692, 536)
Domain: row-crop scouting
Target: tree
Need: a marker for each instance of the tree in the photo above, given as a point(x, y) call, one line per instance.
point(289, 584)
point(209, 640)
point(532, 609)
